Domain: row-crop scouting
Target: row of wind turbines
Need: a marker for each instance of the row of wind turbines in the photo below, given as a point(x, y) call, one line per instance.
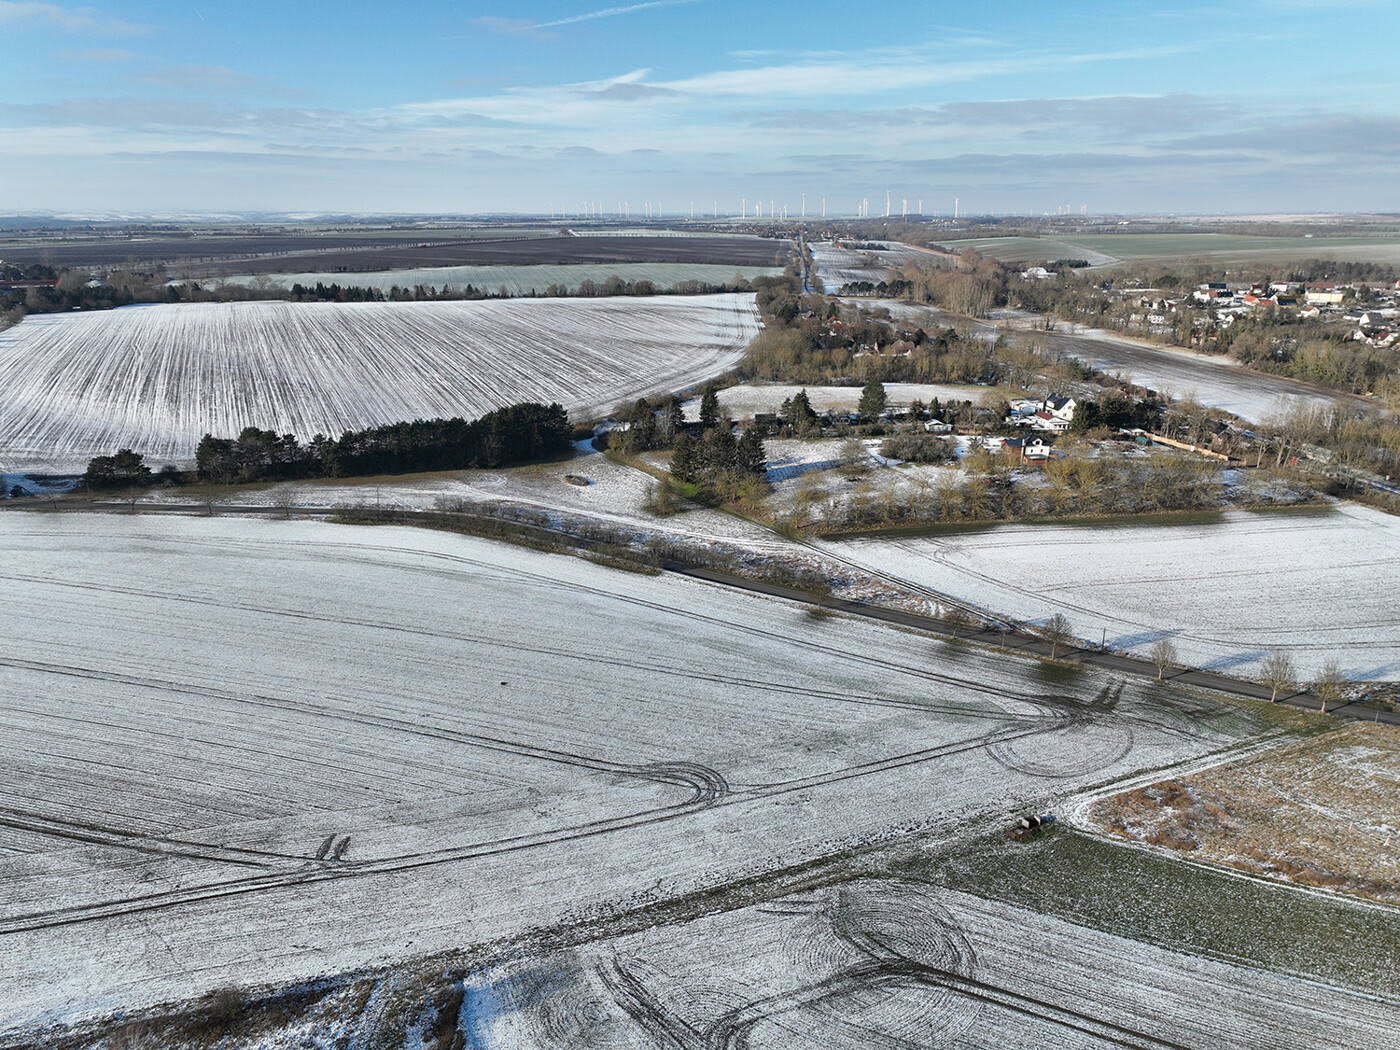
point(623, 210)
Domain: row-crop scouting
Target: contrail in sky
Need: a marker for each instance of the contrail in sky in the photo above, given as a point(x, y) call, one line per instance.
point(608, 12)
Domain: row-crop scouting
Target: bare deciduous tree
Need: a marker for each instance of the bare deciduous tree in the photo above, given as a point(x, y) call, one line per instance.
point(958, 619)
point(285, 499)
point(1163, 655)
point(1277, 673)
point(1057, 632)
point(1331, 680)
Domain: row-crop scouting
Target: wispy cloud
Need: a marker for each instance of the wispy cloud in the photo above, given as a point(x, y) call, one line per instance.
point(1143, 116)
point(23, 14)
point(210, 78)
point(835, 78)
point(525, 25)
point(99, 54)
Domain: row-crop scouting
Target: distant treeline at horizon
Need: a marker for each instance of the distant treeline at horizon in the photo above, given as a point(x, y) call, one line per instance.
point(41, 289)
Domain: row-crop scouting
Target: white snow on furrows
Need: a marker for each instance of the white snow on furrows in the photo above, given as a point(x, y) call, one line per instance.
point(885, 963)
point(838, 265)
point(1225, 590)
point(157, 378)
point(245, 753)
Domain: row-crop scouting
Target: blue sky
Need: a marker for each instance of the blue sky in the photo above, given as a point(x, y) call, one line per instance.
point(423, 107)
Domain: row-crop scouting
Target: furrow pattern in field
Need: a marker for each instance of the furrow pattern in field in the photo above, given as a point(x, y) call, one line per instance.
point(157, 378)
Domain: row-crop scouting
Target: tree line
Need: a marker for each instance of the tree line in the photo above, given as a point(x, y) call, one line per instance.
point(809, 339)
point(63, 290)
point(706, 454)
point(515, 434)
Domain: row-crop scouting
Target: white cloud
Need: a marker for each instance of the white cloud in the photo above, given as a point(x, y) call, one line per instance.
point(23, 14)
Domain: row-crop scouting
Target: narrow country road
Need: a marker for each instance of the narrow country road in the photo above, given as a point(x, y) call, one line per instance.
point(1010, 640)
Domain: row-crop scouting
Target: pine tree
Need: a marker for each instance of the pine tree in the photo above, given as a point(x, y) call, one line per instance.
point(643, 426)
point(722, 452)
point(685, 458)
point(751, 455)
point(801, 409)
point(675, 416)
point(709, 408)
point(872, 399)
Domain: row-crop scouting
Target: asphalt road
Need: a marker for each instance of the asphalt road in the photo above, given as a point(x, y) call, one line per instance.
point(1010, 640)
point(1033, 645)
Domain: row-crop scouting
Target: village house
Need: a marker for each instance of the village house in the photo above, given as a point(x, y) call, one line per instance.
point(1031, 449)
point(1054, 413)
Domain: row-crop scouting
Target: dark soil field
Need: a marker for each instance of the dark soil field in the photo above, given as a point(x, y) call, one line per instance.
point(203, 255)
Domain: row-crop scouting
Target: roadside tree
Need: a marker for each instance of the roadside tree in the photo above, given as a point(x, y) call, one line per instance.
point(1329, 684)
point(958, 620)
point(1162, 655)
point(1278, 674)
point(1058, 632)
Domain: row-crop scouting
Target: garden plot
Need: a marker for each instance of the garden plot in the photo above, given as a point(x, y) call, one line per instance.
point(1225, 589)
point(789, 458)
point(814, 480)
point(157, 378)
point(252, 752)
point(1321, 812)
point(883, 963)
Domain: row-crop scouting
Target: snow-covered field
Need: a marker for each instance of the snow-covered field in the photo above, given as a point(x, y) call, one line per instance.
point(243, 752)
point(157, 378)
point(879, 963)
point(1216, 382)
point(1226, 590)
point(837, 265)
point(518, 280)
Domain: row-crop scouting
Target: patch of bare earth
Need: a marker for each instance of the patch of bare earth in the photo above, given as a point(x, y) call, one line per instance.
point(1320, 812)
